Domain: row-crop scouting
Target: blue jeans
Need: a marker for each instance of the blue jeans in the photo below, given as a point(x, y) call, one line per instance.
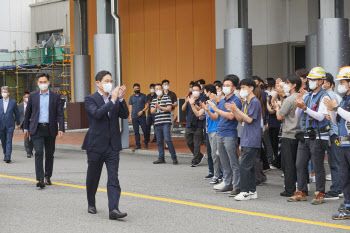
point(333, 161)
point(150, 122)
point(210, 158)
point(136, 123)
point(163, 133)
point(6, 141)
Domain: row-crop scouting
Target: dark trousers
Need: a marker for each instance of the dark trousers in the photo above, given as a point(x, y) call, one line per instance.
point(136, 123)
point(95, 164)
point(28, 145)
point(345, 172)
point(210, 158)
point(333, 162)
point(6, 136)
point(194, 140)
point(247, 171)
point(273, 134)
point(163, 133)
point(289, 149)
point(315, 149)
point(43, 139)
point(150, 122)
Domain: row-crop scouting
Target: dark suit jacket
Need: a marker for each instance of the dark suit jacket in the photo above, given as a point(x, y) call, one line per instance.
point(31, 118)
point(103, 129)
point(7, 120)
point(21, 112)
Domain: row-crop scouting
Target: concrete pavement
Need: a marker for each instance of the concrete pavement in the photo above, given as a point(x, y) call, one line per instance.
point(191, 204)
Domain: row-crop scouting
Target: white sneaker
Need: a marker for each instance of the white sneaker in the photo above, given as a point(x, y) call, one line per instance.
point(243, 196)
point(273, 167)
point(253, 195)
point(312, 179)
point(219, 186)
point(329, 177)
point(282, 175)
point(308, 187)
point(341, 195)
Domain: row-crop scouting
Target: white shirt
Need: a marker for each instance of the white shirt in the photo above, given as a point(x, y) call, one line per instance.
point(25, 107)
point(6, 104)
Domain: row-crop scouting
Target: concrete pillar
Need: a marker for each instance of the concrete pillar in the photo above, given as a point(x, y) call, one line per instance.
point(311, 51)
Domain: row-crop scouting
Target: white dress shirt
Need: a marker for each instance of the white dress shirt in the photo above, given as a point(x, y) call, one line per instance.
point(6, 104)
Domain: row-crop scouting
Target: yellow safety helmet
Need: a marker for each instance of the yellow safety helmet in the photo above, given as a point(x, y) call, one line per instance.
point(344, 73)
point(317, 73)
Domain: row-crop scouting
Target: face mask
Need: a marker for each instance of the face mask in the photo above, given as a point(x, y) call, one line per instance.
point(166, 87)
point(195, 93)
point(286, 89)
point(244, 94)
point(107, 87)
point(43, 87)
point(137, 91)
point(159, 93)
point(26, 99)
point(312, 85)
point(342, 89)
point(226, 90)
point(191, 89)
point(152, 90)
point(324, 87)
point(236, 92)
point(4, 95)
point(282, 84)
point(218, 93)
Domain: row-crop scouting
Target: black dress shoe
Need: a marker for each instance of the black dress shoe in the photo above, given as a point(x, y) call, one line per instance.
point(159, 161)
point(154, 140)
point(175, 162)
point(92, 210)
point(29, 155)
point(41, 183)
point(285, 194)
point(48, 180)
point(136, 148)
point(8, 161)
point(115, 214)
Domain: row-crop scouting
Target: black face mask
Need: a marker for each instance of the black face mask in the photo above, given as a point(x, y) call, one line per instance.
point(206, 97)
point(137, 91)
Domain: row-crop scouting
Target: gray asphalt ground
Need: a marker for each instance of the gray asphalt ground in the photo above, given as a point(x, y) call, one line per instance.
point(25, 208)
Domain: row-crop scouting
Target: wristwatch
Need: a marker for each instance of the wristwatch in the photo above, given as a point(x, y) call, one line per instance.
point(285, 97)
point(335, 109)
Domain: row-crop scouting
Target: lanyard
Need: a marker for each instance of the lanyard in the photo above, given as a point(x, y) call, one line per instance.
point(160, 100)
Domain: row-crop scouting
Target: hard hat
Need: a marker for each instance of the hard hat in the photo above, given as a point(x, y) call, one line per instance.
point(317, 73)
point(344, 73)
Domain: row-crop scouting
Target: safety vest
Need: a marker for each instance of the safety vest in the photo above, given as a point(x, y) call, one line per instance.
point(344, 126)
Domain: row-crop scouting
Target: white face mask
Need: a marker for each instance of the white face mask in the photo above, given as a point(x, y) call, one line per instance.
point(244, 93)
point(312, 84)
point(195, 93)
point(272, 93)
point(4, 95)
point(236, 92)
point(107, 87)
point(282, 84)
point(226, 90)
point(166, 87)
point(26, 99)
point(342, 89)
point(43, 87)
point(286, 89)
point(159, 93)
point(152, 90)
point(218, 93)
point(190, 89)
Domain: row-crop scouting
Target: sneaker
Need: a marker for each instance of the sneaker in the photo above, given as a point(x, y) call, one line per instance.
point(341, 215)
point(330, 196)
point(243, 196)
point(29, 155)
point(159, 161)
point(225, 189)
point(341, 195)
point(273, 167)
point(286, 194)
point(282, 175)
point(219, 186)
point(329, 177)
point(298, 196)
point(312, 179)
point(201, 159)
point(234, 192)
point(318, 199)
point(253, 195)
point(208, 177)
point(220, 178)
point(214, 180)
point(342, 207)
point(136, 148)
point(175, 162)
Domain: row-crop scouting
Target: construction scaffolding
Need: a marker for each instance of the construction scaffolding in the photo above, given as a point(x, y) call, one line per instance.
point(20, 67)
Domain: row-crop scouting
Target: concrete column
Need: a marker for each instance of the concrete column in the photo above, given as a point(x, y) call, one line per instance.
point(311, 51)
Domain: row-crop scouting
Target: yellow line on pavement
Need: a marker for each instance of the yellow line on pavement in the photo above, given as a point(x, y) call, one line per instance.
point(200, 205)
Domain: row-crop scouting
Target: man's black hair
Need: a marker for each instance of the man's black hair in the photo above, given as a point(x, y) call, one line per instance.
point(271, 82)
point(293, 79)
point(248, 82)
point(43, 75)
point(216, 82)
point(26, 93)
point(136, 85)
point(219, 85)
point(233, 78)
point(152, 85)
point(329, 78)
point(196, 85)
point(201, 81)
point(165, 81)
point(101, 74)
point(302, 73)
point(257, 78)
point(158, 84)
point(211, 88)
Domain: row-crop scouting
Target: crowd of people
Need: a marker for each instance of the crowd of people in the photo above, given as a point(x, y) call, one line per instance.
point(300, 117)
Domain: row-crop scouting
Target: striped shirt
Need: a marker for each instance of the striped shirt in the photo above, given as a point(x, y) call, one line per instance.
point(162, 117)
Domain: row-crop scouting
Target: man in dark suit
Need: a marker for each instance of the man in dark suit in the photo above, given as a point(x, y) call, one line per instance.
point(28, 144)
point(8, 109)
point(103, 140)
point(44, 111)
